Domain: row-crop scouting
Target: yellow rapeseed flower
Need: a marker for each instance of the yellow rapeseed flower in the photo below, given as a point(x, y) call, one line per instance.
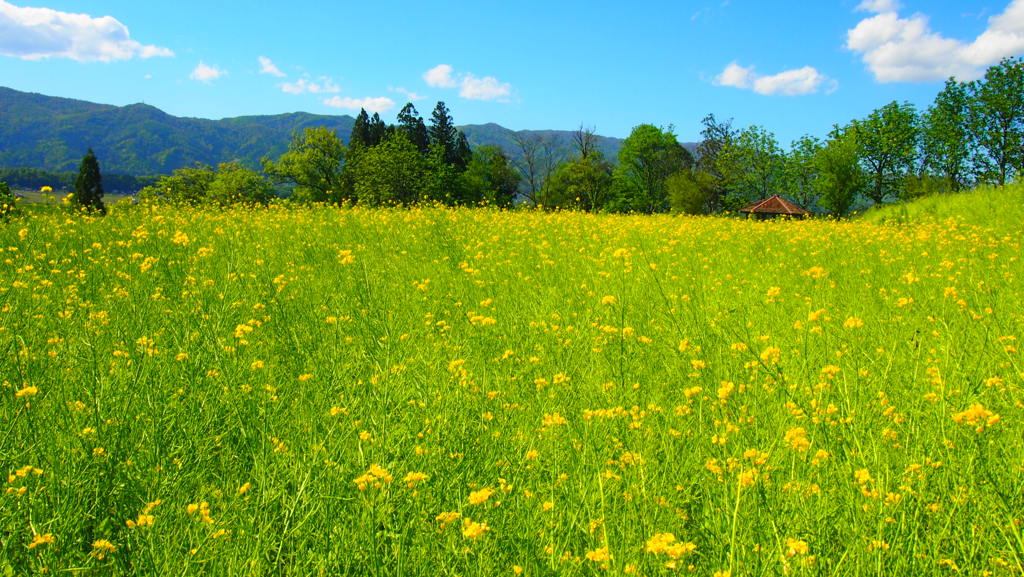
point(796, 438)
point(553, 419)
point(600, 555)
point(658, 542)
point(375, 476)
point(38, 540)
point(977, 416)
point(771, 355)
point(666, 543)
point(477, 497)
point(413, 478)
point(796, 547)
point(447, 517)
point(101, 548)
point(27, 391)
point(473, 530)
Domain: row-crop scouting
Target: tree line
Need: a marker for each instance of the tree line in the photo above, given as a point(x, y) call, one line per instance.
point(404, 163)
point(972, 134)
point(86, 195)
point(35, 178)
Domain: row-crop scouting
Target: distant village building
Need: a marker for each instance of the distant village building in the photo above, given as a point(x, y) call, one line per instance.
point(773, 206)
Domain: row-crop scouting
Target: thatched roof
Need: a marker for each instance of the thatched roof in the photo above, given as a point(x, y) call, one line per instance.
point(774, 205)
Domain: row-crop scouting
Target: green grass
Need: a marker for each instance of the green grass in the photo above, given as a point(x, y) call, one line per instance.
point(987, 207)
point(789, 397)
point(34, 197)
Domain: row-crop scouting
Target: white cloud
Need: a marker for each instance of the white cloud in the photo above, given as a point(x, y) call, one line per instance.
point(302, 85)
point(486, 88)
point(409, 94)
point(38, 33)
point(800, 81)
point(440, 76)
point(736, 76)
point(206, 74)
point(378, 104)
point(899, 49)
point(470, 87)
point(806, 80)
point(879, 6)
point(267, 67)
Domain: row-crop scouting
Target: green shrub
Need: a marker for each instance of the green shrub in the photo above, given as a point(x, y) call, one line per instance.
point(7, 201)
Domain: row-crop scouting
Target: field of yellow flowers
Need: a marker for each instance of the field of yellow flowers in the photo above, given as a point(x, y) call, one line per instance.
point(431, 391)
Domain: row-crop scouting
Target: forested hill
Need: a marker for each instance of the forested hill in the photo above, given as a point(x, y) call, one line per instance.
point(558, 142)
point(53, 133)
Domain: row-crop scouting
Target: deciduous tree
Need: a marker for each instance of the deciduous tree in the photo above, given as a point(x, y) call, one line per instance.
point(997, 121)
point(887, 146)
point(647, 157)
point(840, 176)
point(584, 139)
point(314, 162)
point(716, 157)
point(802, 171)
point(689, 191)
point(185, 186)
point(490, 177)
point(235, 184)
point(946, 135)
point(761, 164)
point(537, 160)
point(390, 173)
point(583, 182)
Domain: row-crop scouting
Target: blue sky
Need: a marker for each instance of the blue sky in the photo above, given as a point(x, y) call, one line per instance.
point(793, 67)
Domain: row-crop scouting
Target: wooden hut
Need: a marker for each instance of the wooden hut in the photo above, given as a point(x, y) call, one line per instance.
point(773, 206)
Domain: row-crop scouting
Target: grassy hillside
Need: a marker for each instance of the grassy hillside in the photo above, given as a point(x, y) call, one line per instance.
point(346, 391)
point(1001, 208)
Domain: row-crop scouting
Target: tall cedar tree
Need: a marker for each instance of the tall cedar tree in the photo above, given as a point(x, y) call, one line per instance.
point(444, 135)
point(463, 153)
point(377, 130)
point(360, 130)
point(89, 185)
point(412, 126)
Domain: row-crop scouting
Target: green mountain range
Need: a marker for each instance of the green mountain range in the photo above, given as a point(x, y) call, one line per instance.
point(52, 134)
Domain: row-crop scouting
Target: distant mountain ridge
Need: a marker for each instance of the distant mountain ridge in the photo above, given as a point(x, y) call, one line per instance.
point(561, 140)
point(53, 133)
